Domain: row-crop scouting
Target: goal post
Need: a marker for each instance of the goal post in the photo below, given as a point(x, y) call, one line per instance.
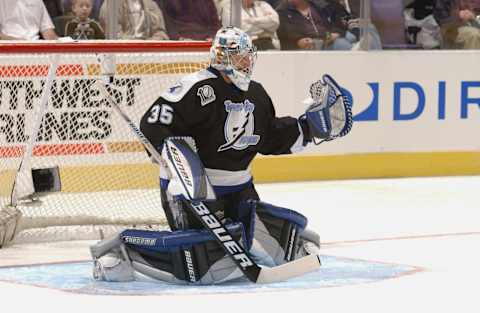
point(69, 167)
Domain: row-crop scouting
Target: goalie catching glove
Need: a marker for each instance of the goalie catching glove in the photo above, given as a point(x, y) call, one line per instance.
point(329, 112)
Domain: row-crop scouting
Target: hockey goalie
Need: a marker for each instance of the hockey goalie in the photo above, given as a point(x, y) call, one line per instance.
point(204, 133)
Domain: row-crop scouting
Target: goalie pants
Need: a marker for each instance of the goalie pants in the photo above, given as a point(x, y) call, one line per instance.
point(227, 206)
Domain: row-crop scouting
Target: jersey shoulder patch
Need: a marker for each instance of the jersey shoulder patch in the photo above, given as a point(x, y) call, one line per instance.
point(206, 94)
point(176, 92)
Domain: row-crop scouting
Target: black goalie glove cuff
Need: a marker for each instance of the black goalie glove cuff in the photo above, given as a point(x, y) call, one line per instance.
point(329, 112)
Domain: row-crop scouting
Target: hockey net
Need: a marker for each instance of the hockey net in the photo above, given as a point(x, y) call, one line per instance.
point(73, 170)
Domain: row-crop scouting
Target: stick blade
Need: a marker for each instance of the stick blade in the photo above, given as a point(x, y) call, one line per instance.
point(299, 267)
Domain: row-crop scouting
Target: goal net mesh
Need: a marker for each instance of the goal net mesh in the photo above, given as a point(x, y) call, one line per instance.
point(107, 181)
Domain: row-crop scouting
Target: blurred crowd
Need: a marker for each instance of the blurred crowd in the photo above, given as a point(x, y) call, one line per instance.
point(273, 24)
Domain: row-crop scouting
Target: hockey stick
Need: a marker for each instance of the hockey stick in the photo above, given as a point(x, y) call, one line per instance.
point(252, 270)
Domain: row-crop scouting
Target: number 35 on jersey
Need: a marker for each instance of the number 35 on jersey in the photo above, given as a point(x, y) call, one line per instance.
point(162, 113)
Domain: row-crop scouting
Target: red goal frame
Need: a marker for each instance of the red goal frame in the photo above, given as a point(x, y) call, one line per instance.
point(103, 46)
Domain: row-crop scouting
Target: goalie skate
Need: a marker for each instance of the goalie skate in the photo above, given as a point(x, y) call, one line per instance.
point(112, 268)
point(309, 243)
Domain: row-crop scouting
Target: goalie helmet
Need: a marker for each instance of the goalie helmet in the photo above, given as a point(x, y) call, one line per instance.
point(234, 54)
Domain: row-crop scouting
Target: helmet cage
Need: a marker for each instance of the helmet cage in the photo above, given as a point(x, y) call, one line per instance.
point(234, 55)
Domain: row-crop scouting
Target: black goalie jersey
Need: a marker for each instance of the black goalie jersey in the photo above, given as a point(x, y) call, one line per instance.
point(229, 126)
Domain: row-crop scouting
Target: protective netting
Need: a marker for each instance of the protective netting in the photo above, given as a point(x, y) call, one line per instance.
point(106, 176)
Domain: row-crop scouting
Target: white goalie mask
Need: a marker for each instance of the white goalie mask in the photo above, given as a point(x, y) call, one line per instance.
point(234, 54)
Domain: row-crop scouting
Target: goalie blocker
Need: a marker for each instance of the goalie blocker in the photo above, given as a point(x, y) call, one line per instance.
point(270, 235)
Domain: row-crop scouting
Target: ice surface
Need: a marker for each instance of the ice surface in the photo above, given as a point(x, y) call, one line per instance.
point(391, 245)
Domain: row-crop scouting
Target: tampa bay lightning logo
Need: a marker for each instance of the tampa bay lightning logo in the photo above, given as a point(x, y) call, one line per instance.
point(239, 126)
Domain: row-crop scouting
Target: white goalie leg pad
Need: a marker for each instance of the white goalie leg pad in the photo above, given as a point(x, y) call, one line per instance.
point(276, 234)
point(221, 271)
point(115, 266)
point(180, 257)
point(186, 171)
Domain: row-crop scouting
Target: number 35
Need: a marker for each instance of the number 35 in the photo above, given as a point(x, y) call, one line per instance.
point(162, 113)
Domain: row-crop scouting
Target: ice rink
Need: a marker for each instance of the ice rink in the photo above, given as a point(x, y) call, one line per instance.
point(388, 245)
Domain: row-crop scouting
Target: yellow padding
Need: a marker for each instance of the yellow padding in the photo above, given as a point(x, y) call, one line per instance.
point(7, 177)
point(109, 177)
point(270, 169)
point(151, 68)
point(125, 146)
point(374, 165)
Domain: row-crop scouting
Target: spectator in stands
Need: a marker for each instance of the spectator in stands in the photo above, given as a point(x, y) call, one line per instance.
point(421, 28)
point(274, 3)
point(469, 31)
point(346, 13)
point(444, 13)
point(137, 19)
point(81, 26)
point(96, 5)
point(223, 8)
point(307, 25)
point(61, 21)
point(459, 23)
point(421, 8)
point(25, 20)
point(54, 7)
point(260, 21)
point(191, 19)
point(342, 14)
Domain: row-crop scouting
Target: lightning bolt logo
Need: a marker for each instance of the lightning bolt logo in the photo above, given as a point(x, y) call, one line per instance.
point(239, 126)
